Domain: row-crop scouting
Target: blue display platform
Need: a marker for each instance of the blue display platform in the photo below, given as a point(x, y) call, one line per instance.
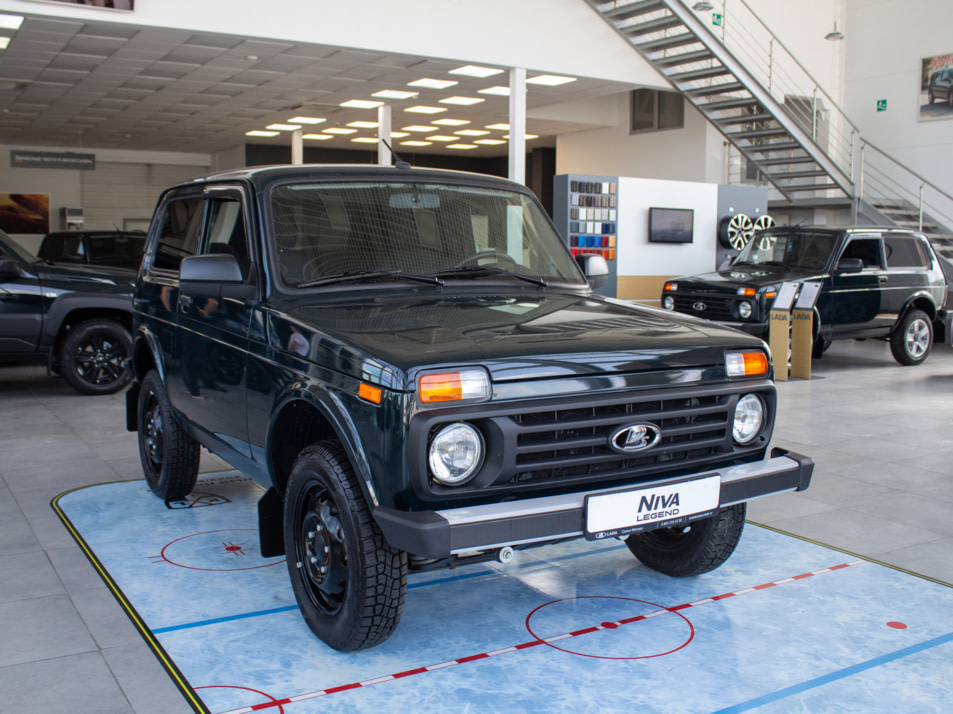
point(785, 625)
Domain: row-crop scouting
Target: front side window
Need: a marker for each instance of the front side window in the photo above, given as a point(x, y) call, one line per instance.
point(867, 250)
point(226, 232)
point(323, 230)
point(181, 227)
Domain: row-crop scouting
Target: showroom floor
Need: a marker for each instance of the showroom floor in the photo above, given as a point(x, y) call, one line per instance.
point(883, 489)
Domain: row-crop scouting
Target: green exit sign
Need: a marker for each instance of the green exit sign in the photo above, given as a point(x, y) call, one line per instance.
point(716, 19)
point(881, 105)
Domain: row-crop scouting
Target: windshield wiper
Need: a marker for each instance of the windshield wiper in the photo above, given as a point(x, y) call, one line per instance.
point(368, 275)
point(474, 270)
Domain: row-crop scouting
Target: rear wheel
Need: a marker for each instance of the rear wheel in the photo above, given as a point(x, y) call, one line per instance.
point(92, 357)
point(910, 343)
point(693, 549)
point(170, 457)
point(348, 581)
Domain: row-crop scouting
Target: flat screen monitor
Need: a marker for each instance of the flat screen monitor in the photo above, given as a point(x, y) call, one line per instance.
point(671, 225)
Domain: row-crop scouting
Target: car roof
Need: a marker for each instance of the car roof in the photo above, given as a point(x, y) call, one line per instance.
point(848, 230)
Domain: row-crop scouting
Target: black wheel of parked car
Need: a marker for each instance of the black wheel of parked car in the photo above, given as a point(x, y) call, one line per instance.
point(693, 549)
point(349, 582)
point(92, 357)
point(170, 457)
point(910, 343)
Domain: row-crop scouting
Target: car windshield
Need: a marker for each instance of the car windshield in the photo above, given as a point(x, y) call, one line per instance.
point(115, 248)
point(403, 230)
point(11, 248)
point(804, 249)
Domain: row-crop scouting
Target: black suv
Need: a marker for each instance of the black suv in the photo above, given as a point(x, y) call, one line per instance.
point(875, 282)
point(416, 370)
point(116, 248)
point(75, 318)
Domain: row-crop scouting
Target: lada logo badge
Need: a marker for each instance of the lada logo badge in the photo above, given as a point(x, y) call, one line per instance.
point(699, 307)
point(637, 437)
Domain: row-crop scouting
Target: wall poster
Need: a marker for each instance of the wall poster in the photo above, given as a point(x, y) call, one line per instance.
point(25, 213)
point(936, 88)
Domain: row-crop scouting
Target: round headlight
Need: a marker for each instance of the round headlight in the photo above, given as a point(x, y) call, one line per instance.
point(749, 418)
point(668, 302)
point(744, 310)
point(456, 452)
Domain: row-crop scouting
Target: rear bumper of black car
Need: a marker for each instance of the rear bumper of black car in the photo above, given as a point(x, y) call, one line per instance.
point(439, 534)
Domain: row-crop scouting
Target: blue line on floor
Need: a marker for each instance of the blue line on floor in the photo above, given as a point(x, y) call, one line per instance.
point(217, 620)
point(834, 676)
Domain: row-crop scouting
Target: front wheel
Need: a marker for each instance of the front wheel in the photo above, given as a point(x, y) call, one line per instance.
point(170, 457)
point(349, 582)
point(910, 343)
point(692, 549)
point(92, 357)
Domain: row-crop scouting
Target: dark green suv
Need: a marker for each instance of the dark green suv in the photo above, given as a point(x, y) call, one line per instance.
point(419, 374)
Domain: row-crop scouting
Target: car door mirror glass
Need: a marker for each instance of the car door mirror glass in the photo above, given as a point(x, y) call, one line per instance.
point(849, 265)
point(9, 269)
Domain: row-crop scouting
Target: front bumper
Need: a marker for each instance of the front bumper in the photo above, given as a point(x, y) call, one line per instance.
point(438, 534)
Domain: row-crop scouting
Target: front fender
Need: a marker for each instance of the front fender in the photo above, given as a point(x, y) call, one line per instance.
point(90, 304)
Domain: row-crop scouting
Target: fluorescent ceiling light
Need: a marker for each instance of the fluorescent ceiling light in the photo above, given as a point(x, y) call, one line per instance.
point(462, 147)
point(361, 104)
point(317, 137)
point(441, 137)
point(451, 122)
point(414, 142)
point(4, 42)
point(417, 127)
point(11, 22)
point(471, 132)
point(497, 91)
point(364, 140)
point(306, 120)
point(283, 127)
point(489, 142)
point(395, 94)
point(527, 137)
point(339, 130)
point(399, 134)
point(428, 83)
point(363, 124)
point(425, 110)
point(472, 70)
point(260, 132)
point(499, 127)
point(462, 101)
point(550, 80)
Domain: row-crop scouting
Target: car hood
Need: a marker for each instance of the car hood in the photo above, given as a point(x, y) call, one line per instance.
point(81, 277)
point(519, 336)
point(731, 278)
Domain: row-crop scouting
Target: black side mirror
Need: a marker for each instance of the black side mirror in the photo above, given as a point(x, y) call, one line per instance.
point(216, 275)
point(849, 265)
point(595, 268)
point(10, 270)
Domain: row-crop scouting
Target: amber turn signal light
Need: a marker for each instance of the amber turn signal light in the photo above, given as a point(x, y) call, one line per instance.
point(746, 364)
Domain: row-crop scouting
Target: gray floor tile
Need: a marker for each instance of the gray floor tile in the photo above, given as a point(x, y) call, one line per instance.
point(41, 628)
point(74, 569)
point(106, 621)
point(932, 558)
point(27, 575)
point(78, 684)
point(144, 682)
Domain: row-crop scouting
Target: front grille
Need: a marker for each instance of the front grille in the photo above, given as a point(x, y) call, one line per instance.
point(716, 307)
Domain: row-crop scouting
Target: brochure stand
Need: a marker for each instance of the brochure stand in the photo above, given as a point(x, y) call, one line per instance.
point(802, 332)
point(779, 329)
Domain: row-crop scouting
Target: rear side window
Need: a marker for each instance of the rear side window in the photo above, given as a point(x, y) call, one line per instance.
point(181, 226)
point(904, 252)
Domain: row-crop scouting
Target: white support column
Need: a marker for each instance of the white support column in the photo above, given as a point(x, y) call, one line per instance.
point(518, 125)
point(383, 134)
point(297, 147)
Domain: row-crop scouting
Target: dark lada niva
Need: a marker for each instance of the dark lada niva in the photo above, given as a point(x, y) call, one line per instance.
point(74, 318)
point(875, 282)
point(419, 375)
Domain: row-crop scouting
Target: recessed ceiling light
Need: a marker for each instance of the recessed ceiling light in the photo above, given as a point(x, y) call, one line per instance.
point(499, 127)
point(283, 127)
point(399, 134)
point(462, 101)
point(497, 91)
point(527, 137)
point(489, 142)
point(472, 70)
point(361, 104)
point(462, 147)
point(451, 122)
point(425, 110)
point(414, 142)
point(364, 140)
point(441, 137)
point(317, 137)
point(471, 132)
point(11, 22)
point(395, 94)
point(306, 120)
point(550, 80)
point(260, 132)
point(4, 42)
point(417, 127)
point(251, 58)
point(428, 83)
point(363, 124)
point(339, 130)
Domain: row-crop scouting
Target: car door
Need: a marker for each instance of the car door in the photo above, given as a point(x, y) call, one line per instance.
point(211, 379)
point(907, 265)
point(21, 311)
point(857, 298)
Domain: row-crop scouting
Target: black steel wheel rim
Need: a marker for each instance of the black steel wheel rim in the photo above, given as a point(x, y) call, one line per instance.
point(152, 433)
point(321, 550)
point(99, 360)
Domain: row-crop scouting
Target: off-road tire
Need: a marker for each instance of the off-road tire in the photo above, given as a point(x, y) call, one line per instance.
point(349, 582)
point(93, 357)
point(911, 341)
point(699, 547)
point(169, 456)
